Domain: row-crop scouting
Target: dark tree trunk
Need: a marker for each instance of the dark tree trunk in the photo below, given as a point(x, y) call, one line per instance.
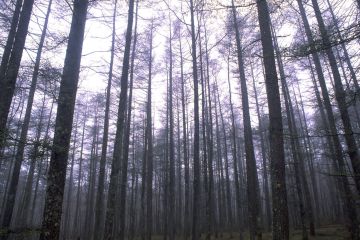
point(63, 125)
point(171, 213)
point(10, 71)
point(185, 147)
point(252, 177)
point(149, 150)
point(10, 39)
point(19, 157)
point(349, 207)
point(227, 175)
point(115, 166)
point(277, 159)
point(101, 181)
point(340, 98)
point(196, 181)
point(77, 218)
point(127, 134)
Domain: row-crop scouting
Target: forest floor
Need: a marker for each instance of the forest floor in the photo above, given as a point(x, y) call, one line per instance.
point(329, 232)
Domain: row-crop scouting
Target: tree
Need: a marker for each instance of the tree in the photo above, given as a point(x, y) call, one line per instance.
point(277, 160)
point(10, 62)
point(196, 181)
point(115, 165)
point(252, 178)
point(10, 200)
point(104, 147)
point(63, 125)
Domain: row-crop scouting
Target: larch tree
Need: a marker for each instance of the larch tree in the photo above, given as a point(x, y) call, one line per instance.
point(280, 223)
point(10, 62)
point(63, 126)
point(252, 177)
point(116, 160)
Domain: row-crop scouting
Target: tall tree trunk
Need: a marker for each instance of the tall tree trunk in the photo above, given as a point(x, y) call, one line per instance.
point(309, 151)
point(40, 165)
point(171, 214)
point(227, 175)
point(340, 98)
point(19, 157)
point(263, 155)
point(98, 232)
point(127, 135)
point(66, 224)
point(89, 212)
point(196, 159)
point(4, 65)
point(185, 147)
point(63, 125)
point(22, 213)
point(115, 166)
point(210, 137)
point(77, 218)
point(9, 72)
point(10, 39)
point(277, 159)
point(235, 157)
point(149, 155)
point(252, 178)
point(297, 152)
point(349, 207)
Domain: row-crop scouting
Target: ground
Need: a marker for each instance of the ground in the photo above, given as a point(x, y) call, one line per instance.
point(329, 232)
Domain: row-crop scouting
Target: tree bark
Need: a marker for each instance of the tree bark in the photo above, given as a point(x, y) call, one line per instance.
point(352, 221)
point(9, 72)
point(252, 178)
point(101, 180)
point(171, 213)
point(63, 125)
point(340, 98)
point(115, 166)
point(277, 159)
point(196, 159)
point(19, 157)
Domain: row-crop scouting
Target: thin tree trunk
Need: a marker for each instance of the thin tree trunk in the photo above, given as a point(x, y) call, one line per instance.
point(263, 155)
point(210, 137)
point(115, 166)
point(185, 147)
point(77, 218)
point(227, 175)
point(340, 98)
point(19, 157)
point(149, 135)
point(98, 232)
point(252, 178)
point(127, 135)
point(40, 166)
point(235, 158)
point(171, 214)
point(9, 72)
point(352, 221)
point(196, 159)
point(66, 223)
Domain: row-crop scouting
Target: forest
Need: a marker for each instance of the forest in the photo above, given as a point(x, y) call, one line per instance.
point(187, 119)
